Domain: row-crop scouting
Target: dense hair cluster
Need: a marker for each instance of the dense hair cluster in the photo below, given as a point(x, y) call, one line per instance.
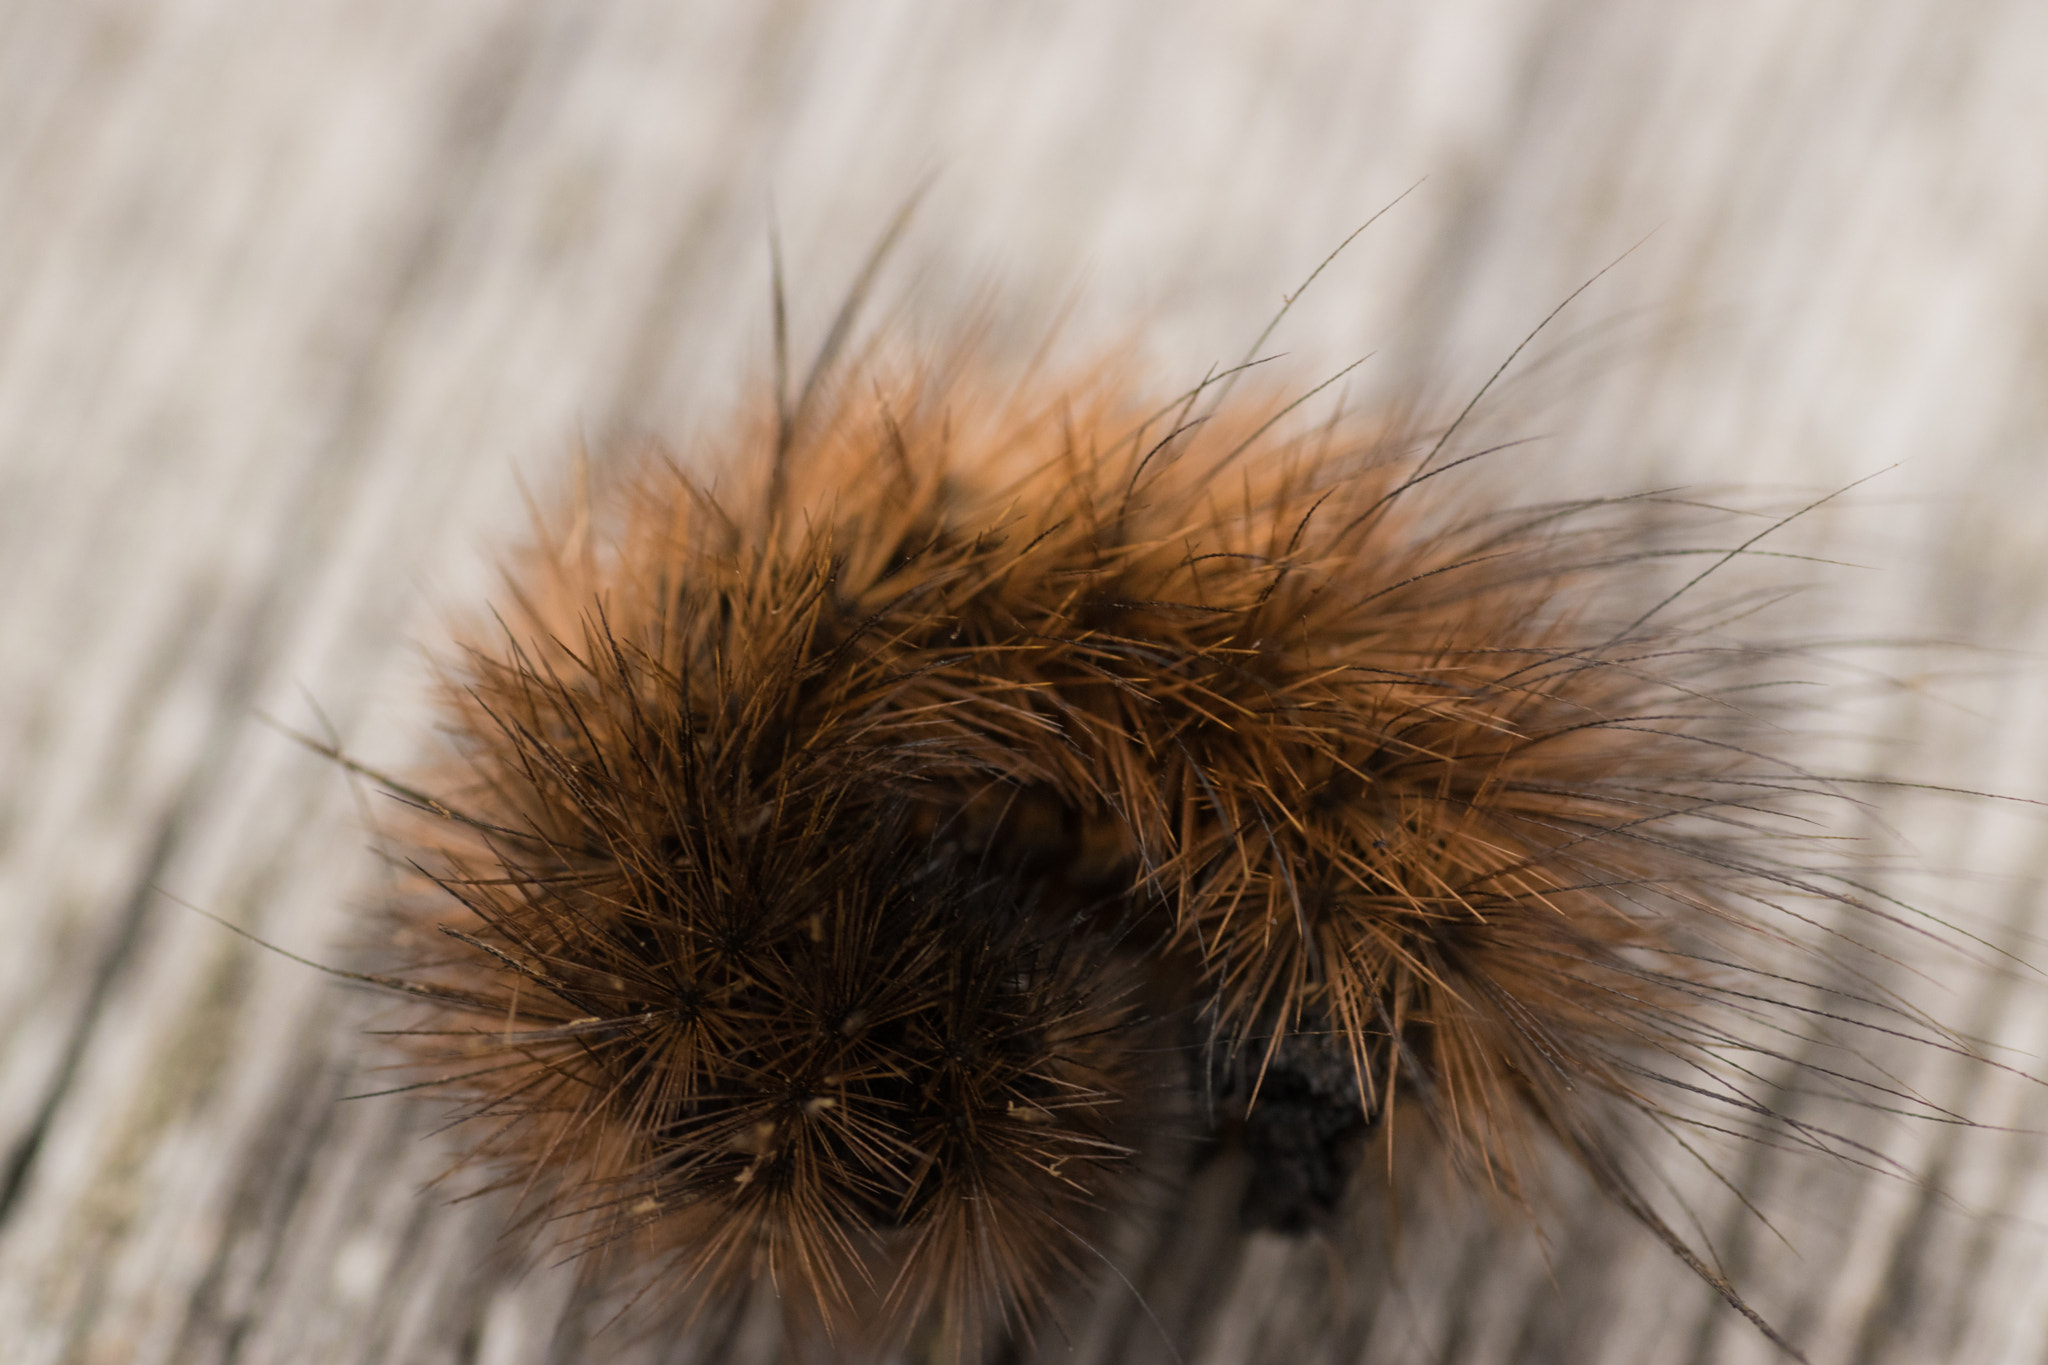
point(859, 851)
point(720, 978)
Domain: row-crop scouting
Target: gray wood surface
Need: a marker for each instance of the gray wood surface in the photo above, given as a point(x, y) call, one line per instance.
point(293, 296)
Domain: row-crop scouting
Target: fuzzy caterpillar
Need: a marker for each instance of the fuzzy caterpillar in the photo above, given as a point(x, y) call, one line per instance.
point(829, 847)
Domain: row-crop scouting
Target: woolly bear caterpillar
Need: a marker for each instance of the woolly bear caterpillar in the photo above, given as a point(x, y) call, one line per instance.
point(828, 849)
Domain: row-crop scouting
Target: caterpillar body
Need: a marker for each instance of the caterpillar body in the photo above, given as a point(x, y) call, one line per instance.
point(857, 855)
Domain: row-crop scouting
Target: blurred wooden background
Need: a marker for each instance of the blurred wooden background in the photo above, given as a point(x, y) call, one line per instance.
point(293, 296)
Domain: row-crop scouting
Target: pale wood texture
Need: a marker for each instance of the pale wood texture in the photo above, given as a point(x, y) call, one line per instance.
point(293, 295)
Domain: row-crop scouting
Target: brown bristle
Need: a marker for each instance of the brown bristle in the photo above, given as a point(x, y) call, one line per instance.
point(828, 836)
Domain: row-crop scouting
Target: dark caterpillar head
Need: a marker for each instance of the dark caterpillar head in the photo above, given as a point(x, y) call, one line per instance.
point(710, 990)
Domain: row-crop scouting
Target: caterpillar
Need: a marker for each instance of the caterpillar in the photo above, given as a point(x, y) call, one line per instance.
point(860, 853)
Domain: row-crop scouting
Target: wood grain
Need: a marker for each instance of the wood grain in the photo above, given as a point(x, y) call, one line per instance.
point(293, 297)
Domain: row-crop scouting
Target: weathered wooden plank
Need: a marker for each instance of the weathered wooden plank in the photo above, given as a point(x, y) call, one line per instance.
point(292, 296)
